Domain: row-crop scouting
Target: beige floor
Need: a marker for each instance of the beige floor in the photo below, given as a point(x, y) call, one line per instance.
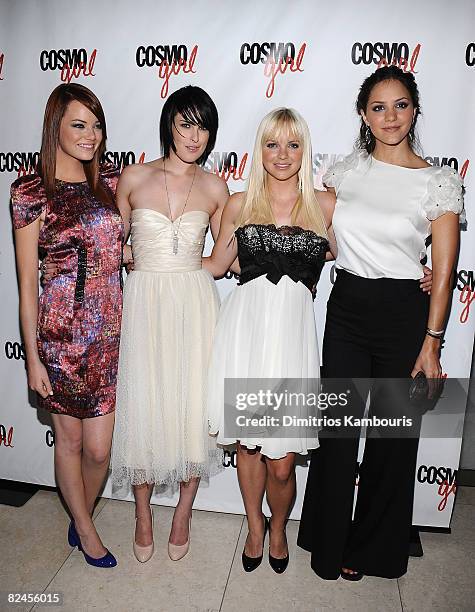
point(35, 557)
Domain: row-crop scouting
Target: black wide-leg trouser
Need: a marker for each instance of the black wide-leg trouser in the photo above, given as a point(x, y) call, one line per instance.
point(374, 330)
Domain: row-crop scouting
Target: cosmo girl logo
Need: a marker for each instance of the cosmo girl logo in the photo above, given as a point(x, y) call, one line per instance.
point(278, 59)
point(6, 436)
point(386, 53)
point(461, 166)
point(73, 63)
point(227, 165)
point(18, 161)
point(2, 56)
point(120, 159)
point(444, 477)
point(170, 59)
point(465, 283)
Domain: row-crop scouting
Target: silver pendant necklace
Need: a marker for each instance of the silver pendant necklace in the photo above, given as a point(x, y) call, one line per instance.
point(175, 231)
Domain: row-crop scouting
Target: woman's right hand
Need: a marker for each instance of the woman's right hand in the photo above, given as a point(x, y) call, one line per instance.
point(38, 379)
point(48, 269)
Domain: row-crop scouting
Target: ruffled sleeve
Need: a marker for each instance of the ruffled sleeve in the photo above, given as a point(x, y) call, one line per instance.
point(28, 198)
point(334, 176)
point(110, 176)
point(444, 193)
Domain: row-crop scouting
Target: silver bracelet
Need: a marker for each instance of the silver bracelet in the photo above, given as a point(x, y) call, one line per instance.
point(435, 334)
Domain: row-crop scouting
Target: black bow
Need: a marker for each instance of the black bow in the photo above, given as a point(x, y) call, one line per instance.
point(276, 265)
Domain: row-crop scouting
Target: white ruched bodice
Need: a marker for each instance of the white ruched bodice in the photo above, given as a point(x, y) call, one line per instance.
point(152, 240)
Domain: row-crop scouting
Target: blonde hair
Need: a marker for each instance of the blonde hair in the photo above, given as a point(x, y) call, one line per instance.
point(256, 207)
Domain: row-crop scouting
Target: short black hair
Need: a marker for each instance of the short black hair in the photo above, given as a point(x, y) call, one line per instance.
point(366, 140)
point(195, 106)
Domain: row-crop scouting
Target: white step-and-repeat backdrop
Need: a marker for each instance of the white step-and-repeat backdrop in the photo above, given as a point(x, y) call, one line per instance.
point(133, 55)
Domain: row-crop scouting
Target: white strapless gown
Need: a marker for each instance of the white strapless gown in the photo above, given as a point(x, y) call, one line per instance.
point(170, 310)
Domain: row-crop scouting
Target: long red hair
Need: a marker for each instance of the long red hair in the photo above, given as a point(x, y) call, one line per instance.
point(56, 106)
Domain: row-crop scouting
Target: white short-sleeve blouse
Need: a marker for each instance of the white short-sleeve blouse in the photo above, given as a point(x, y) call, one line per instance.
point(383, 213)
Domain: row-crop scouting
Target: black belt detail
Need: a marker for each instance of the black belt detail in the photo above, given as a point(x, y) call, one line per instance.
point(81, 275)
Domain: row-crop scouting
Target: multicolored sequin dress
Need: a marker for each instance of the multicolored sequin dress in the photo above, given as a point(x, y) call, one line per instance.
point(80, 309)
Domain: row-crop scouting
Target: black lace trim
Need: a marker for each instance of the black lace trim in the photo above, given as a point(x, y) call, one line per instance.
point(280, 251)
point(287, 230)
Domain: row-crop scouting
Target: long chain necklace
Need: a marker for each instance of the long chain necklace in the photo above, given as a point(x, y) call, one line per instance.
point(175, 231)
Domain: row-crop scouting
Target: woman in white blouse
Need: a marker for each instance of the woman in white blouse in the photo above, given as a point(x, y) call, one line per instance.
point(380, 325)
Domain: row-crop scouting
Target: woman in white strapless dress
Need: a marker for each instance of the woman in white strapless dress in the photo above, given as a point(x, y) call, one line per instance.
point(170, 310)
point(171, 305)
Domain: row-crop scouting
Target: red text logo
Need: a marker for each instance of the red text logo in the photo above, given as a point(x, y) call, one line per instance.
point(278, 58)
point(467, 296)
point(167, 70)
point(407, 65)
point(445, 477)
point(227, 165)
point(170, 59)
point(6, 436)
point(445, 490)
point(68, 72)
point(465, 283)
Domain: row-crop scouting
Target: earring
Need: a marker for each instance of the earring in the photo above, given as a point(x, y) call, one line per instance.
point(368, 133)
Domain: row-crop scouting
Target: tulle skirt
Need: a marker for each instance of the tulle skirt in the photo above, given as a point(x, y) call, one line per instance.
point(264, 331)
point(161, 432)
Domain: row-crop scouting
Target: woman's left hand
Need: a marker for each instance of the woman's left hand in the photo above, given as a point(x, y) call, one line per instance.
point(426, 280)
point(48, 269)
point(428, 362)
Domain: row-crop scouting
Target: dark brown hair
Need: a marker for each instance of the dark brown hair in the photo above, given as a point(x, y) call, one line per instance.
point(366, 140)
point(54, 113)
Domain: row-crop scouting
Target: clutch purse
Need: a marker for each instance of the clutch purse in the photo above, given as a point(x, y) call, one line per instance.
point(423, 390)
point(419, 389)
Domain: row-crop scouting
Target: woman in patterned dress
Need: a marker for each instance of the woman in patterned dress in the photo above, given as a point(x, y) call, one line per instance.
point(67, 211)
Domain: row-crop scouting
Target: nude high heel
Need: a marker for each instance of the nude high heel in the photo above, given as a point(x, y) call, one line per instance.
point(178, 551)
point(143, 553)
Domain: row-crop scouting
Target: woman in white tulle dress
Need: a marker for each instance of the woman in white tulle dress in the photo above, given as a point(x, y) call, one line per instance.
point(170, 310)
point(266, 327)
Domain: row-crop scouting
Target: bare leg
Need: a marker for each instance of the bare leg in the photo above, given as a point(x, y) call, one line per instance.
point(68, 433)
point(179, 533)
point(252, 472)
point(143, 512)
point(97, 438)
point(280, 487)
